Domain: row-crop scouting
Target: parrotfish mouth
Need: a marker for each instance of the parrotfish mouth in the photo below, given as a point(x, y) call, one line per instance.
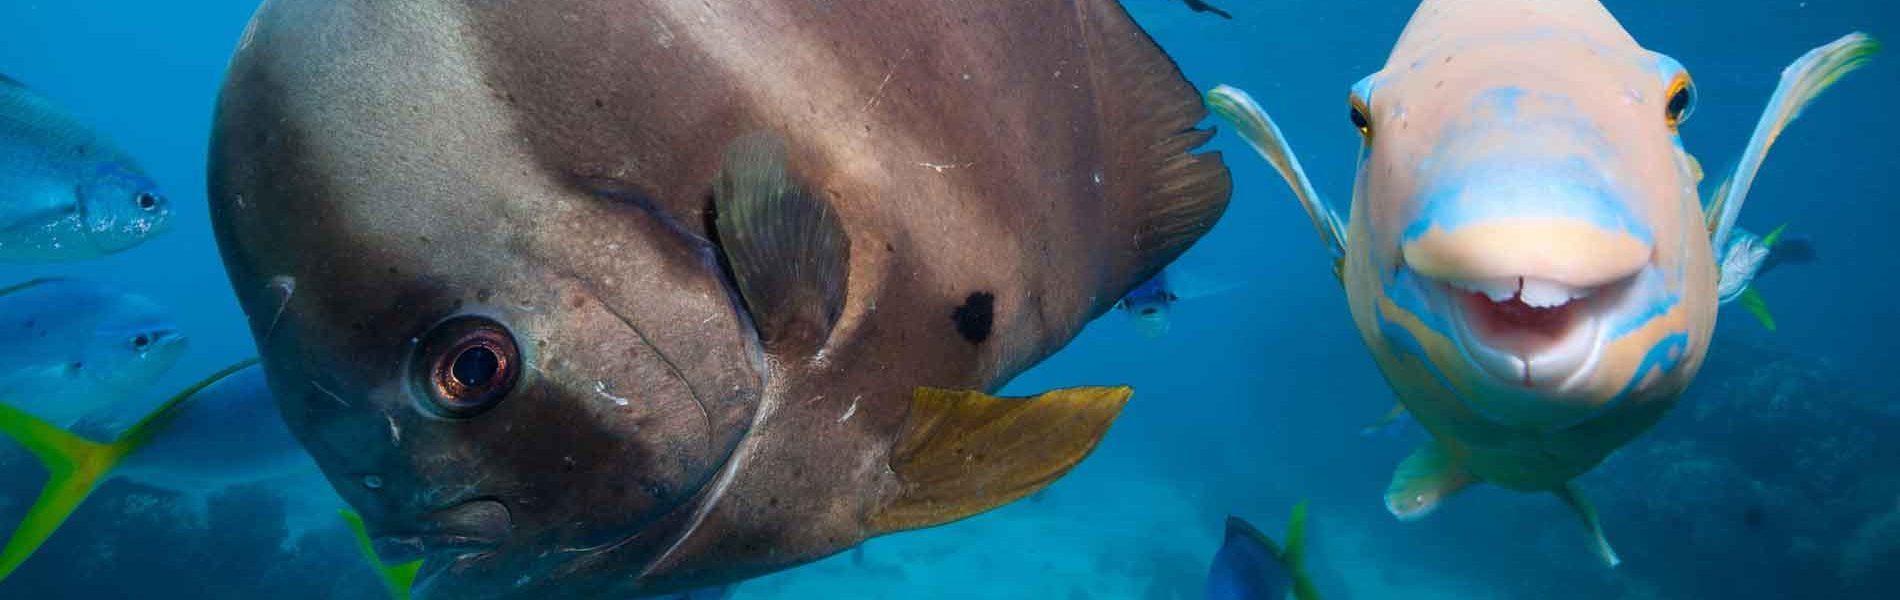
point(1535, 333)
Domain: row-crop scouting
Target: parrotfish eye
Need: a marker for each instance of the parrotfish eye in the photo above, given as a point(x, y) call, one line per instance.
point(472, 363)
point(1681, 100)
point(147, 201)
point(1360, 120)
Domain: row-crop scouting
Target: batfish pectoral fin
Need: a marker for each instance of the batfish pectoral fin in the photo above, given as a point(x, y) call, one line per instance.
point(1573, 497)
point(75, 466)
point(1751, 299)
point(1424, 480)
point(962, 452)
point(1801, 83)
point(396, 579)
point(786, 247)
point(1248, 118)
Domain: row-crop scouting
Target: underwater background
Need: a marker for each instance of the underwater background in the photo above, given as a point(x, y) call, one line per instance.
point(1777, 476)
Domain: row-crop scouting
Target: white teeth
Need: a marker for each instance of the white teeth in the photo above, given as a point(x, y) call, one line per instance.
point(1497, 289)
point(1545, 294)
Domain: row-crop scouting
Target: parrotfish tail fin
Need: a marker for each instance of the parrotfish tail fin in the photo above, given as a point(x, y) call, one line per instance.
point(1424, 480)
point(397, 579)
point(1756, 305)
point(1588, 512)
point(1294, 555)
point(962, 452)
point(787, 249)
point(1386, 425)
point(74, 466)
point(1160, 192)
point(1801, 83)
point(1248, 118)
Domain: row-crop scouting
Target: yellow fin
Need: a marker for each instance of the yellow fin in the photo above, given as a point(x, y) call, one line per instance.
point(397, 579)
point(964, 452)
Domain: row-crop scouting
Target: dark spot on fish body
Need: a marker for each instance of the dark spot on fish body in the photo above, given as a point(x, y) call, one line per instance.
point(598, 103)
point(975, 317)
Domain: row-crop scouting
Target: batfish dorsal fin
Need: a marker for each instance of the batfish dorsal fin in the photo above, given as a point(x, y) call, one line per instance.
point(964, 452)
point(1167, 196)
point(785, 245)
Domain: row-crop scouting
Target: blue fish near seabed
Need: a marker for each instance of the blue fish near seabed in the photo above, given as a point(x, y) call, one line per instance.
point(220, 432)
point(66, 191)
point(74, 350)
point(1249, 566)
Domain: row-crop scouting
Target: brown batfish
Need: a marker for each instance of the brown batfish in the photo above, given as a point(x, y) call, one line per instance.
point(597, 299)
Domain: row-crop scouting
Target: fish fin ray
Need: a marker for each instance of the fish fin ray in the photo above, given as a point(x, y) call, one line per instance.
point(1251, 121)
point(75, 466)
point(1424, 480)
point(1801, 83)
point(961, 453)
point(397, 579)
point(1155, 185)
point(1574, 498)
point(785, 245)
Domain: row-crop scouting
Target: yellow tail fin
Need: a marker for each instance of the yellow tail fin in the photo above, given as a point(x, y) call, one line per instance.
point(396, 579)
point(75, 466)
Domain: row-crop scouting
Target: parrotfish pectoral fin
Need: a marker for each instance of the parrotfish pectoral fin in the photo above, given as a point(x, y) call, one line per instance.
point(1426, 478)
point(75, 466)
point(1756, 305)
point(1801, 83)
point(1294, 555)
point(1588, 512)
point(1387, 424)
point(397, 579)
point(786, 247)
point(1258, 129)
point(963, 452)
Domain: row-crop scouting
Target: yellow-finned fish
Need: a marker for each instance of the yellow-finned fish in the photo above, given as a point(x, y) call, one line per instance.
point(1527, 256)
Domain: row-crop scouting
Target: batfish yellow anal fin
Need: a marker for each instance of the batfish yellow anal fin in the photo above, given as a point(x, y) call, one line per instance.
point(1251, 121)
point(1424, 480)
point(75, 466)
point(1588, 512)
point(397, 579)
point(963, 452)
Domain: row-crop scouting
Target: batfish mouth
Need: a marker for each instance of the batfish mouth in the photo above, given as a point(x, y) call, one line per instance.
point(1533, 333)
point(462, 533)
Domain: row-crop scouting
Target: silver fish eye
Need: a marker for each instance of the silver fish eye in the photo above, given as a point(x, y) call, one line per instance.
point(147, 201)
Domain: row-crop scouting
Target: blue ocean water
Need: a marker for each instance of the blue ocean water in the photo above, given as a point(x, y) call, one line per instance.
point(1778, 475)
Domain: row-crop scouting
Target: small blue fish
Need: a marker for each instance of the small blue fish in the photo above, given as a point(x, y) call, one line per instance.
point(1249, 566)
point(67, 192)
point(73, 350)
point(1748, 256)
point(1150, 303)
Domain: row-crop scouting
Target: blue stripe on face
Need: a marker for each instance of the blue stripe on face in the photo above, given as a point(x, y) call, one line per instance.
point(1505, 188)
point(1663, 357)
point(1659, 301)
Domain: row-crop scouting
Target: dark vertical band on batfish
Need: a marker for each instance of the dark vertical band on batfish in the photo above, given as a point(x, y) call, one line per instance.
point(1155, 185)
point(787, 250)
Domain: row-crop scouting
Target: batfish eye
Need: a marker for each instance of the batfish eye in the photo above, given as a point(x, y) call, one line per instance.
point(1360, 120)
point(1681, 101)
point(471, 363)
point(147, 201)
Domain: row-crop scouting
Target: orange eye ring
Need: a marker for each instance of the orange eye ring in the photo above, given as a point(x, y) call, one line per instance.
point(1682, 99)
point(472, 364)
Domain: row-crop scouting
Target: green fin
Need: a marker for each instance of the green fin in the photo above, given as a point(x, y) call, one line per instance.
point(1752, 300)
point(1426, 478)
point(785, 245)
point(1801, 83)
point(1157, 190)
point(962, 452)
point(1252, 122)
point(1588, 512)
point(396, 579)
point(1294, 556)
point(75, 466)
point(1769, 240)
point(1391, 416)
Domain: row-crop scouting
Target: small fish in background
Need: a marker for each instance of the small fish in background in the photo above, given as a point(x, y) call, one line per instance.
point(74, 350)
point(1201, 6)
point(222, 431)
point(1749, 256)
point(1528, 258)
point(67, 192)
point(1150, 304)
point(1249, 566)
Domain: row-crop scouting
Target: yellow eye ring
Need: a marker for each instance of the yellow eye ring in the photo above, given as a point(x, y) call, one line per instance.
point(1681, 101)
point(1361, 118)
